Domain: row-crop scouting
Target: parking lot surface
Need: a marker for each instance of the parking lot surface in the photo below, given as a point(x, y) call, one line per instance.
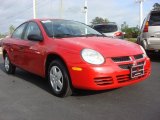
point(25, 96)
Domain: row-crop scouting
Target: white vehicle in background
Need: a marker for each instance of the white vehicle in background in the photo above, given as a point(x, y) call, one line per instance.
point(109, 29)
point(150, 32)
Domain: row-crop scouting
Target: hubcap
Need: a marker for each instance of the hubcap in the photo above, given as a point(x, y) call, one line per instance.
point(6, 63)
point(56, 78)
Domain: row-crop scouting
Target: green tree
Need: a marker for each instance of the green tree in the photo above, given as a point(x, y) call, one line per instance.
point(11, 29)
point(156, 6)
point(130, 32)
point(99, 20)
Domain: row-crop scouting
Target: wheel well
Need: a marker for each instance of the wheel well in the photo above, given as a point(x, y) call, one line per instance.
point(4, 53)
point(50, 58)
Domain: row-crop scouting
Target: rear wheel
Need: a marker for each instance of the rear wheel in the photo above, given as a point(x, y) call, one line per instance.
point(9, 67)
point(59, 79)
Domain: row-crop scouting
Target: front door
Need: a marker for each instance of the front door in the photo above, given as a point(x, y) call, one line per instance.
point(33, 51)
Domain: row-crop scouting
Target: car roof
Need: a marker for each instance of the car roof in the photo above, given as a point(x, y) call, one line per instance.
point(43, 19)
point(109, 23)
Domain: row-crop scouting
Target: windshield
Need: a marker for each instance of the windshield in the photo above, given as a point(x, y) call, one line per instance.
point(106, 28)
point(67, 28)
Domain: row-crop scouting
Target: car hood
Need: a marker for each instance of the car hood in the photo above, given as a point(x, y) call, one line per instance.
point(108, 47)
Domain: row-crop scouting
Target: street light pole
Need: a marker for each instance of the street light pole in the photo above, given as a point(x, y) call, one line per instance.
point(140, 11)
point(86, 12)
point(61, 9)
point(34, 9)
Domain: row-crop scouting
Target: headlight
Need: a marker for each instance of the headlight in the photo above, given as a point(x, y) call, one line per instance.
point(92, 56)
point(144, 52)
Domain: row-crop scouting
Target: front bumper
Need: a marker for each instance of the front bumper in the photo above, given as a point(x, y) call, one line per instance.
point(105, 77)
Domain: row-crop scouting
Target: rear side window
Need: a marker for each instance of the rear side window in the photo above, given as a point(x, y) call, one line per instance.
point(154, 19)
point(106, 28)
point(19, 31)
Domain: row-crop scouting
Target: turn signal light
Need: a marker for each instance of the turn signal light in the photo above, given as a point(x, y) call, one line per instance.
point(76, 68)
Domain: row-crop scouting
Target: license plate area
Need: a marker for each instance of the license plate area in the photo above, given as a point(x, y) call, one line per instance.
point(137, 71)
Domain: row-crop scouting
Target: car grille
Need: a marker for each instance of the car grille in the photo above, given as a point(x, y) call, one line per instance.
point(126, 78)
point(103, 80)
point(126, 58)
point(125, 66)
point(140, 56)
point(141, 63)
point(128, 66)
point(121, 59)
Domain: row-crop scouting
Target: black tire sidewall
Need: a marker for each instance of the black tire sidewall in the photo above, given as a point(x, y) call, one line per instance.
point(12, 68)
point(66, 79)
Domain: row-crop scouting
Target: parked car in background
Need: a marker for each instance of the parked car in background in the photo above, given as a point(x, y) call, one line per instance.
point(150, 32)
point(72, 55)
point(109, 29)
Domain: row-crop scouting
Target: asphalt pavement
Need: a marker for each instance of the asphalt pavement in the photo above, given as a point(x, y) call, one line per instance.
point(25, 96)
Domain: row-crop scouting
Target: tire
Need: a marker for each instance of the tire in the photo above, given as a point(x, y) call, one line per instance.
point(59, 79)
point(144, 44)
point(9, 67)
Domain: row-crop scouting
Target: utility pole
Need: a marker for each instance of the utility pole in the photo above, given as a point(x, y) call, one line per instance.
point(140, 11)
point(61, 9)
point(86, 12)
point(34, 9)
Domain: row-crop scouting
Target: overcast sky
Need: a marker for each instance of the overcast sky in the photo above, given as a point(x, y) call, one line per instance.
point(14, 12)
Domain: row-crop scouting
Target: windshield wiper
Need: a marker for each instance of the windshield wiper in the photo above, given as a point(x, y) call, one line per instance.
point(71, 35)
point(97, 35)
point(63, 35)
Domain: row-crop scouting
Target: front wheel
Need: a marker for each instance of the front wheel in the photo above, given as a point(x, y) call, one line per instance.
point(59, 79)
point(9, 67)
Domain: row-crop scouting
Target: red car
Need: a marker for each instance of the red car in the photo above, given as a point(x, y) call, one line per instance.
point(72, 55)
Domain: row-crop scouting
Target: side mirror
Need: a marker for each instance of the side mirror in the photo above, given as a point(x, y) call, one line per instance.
point(35, 37)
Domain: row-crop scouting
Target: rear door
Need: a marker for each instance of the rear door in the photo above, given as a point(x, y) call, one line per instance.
point(15, 45)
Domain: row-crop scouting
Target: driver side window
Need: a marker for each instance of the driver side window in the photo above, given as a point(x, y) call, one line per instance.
point(32, 29)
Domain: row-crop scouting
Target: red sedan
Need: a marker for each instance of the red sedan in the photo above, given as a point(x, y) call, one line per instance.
point(72, 55)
